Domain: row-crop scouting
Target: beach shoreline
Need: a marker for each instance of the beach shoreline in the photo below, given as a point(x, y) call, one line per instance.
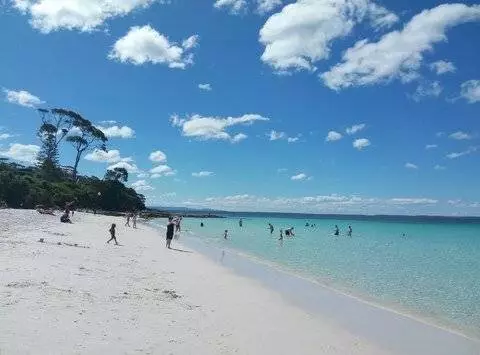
point(140, 297)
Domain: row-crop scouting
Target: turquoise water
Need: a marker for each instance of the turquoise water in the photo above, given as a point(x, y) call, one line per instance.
point(432, 273)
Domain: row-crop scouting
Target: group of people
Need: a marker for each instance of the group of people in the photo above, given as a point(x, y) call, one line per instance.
point(131, 216)
point(337, 231)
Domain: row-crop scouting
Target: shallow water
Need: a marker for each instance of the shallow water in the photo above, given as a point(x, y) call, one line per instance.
point(428, 270)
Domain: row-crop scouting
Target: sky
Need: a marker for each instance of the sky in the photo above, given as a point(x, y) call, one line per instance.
point(318, 106)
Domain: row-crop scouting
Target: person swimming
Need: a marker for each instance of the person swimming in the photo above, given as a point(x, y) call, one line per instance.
point(337, 231)
point(350, 231)
point(270, 226)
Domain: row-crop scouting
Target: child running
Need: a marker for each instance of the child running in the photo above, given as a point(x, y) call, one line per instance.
point(112, 234)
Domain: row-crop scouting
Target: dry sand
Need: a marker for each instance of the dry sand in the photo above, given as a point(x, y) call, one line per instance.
point(139, 298)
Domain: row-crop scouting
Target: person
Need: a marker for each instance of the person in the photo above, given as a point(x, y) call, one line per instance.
point(350, 231)
point(289, 232)
point(201, 224)
point(170, 231)
point(281, 234)
point(225, 234)
point(307, 224)
point(270, 226)
point(178, 228)
point(128, 220)
point(134, 219)
point(337, 231)
point(65, 218)
point(240, 222)
point(112, 234)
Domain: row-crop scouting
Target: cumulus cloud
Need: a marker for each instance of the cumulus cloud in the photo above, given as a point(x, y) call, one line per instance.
point(470, 91)
point(442, 67)
point(265, 6)
point(431, 146)
point(302, 32)
point(101, 156)
point(22, 98)
point(141, 185)
point(203, 174)
point(5, 136)
point(127, 165)
point(398, 54)
point(21, 152)
point(361, 143)
point(162, 170)
point(190, 42)
point(460, 136)
point(411, 166)
point(427, 89)
point(82, 15)
point(205, 87)
point(145, 45)
point(214, 128)
point(333, 136)
point(158, 156)
point(355, 128)
point(301, 177)
point(461, 154)
point(233, 6)
point(117, 131)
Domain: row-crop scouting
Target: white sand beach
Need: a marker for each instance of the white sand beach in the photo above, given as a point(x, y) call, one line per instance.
point(74, 294)
point(139, 298)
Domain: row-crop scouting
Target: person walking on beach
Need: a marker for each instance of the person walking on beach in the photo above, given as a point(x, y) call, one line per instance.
point(134, 219)
point(128, 219)
point(170, 231)
point(225, 234)
point(350, 231)
point(337, 231)
point(112, 234)
point(270, 226)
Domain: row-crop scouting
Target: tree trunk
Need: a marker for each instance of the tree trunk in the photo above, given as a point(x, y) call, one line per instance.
point(75, 167)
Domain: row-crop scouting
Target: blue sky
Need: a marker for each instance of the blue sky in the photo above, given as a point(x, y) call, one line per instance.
point(250, 100)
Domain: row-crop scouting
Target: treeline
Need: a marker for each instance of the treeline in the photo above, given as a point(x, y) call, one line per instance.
point(50, 185)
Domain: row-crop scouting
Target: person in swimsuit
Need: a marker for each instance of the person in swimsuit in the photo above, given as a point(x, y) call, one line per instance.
point(350, 231)
point(225, 234)
point(337, 231)
point(270, 226)
point(170, 231)
point(281, 234)
point(112, 234)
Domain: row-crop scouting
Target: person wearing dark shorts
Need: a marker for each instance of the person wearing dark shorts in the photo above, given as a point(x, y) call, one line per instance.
point(112, 234)
point(170, 231)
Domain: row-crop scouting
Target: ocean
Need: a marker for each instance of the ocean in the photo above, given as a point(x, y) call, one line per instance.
point(428, 268)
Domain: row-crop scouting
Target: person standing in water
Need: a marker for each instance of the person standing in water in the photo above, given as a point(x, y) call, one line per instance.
point(170, 230)
point(350, 231)
point(225, 234)
point(270, 226)
point(281, 234)
point(112, 234)
point(240, 222)
point(337, 231)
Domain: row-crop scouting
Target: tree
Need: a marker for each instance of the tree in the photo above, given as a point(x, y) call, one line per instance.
point(56, 123)
point(117, 174)
point(85, 136)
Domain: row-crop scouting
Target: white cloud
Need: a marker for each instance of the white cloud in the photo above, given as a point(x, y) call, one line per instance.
point(361, 143)
point(145, 45)
point(162, 170)
point(203, 174)
point(460, 136)
point(265, 6)
point(214, 128)
point(190, 42)
point(22, 98)
point(158, 156)
point(82, 15)
point(301, 177)
point(142, 175)
point(470, 91)
point(431, 146)
point(21, 152)
point(127, 165)
point(442, 67)
point(117, 132)
point(439, 167)
point(293, 139)
point(108, 122)
point(355, 128)
point(302, 32)
point(111, 156)
point(233, 6)
point(205, 87)
point(274, 135)
point(427, 89)
point(411, 166)
point(141, 185)
point(412, 201)
point(398, 54)
point(333, 136)
point(5, 136)
point(461, 154)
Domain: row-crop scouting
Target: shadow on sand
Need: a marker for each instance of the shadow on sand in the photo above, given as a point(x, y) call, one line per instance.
point(181, 250)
